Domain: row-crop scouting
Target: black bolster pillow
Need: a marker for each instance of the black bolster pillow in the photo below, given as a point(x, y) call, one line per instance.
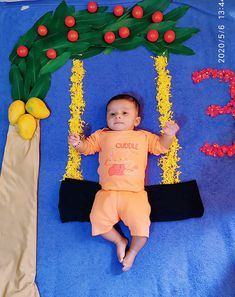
point(169, 202)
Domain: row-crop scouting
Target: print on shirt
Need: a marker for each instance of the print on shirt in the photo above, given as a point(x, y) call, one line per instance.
point(120, 162)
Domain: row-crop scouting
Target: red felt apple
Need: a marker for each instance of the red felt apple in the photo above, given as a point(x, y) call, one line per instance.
point(69, 21)
point(152, 35)
point(118, 10)
point(169, 36)
point(109, 37)
point(22, 51)
point(92, 7)
point(72, 35)
point(124, 32)
point(157, 17)
point(51, 53)
point(42, 30)
point(137, 12)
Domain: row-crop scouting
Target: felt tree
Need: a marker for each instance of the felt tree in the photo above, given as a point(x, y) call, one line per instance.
point(68, 34)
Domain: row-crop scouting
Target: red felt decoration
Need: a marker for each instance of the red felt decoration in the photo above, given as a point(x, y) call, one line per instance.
point(51, 53)
point(169, 36)
point(72, 35)
point(157, 17)
point(217, 150)
point(152, 35)
point(109, 37)
point(124, 32)
point(118, 10)
point(69, 21)
point(92, 7)
point(42, 30)
point(22, 51)
point(137, 12)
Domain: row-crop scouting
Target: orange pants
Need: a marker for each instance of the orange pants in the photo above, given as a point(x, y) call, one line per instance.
point(112, 206)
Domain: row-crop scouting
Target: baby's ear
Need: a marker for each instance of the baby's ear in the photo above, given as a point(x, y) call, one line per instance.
point(137, 121)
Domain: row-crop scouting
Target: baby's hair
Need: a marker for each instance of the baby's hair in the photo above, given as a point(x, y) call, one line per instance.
point(125, 97)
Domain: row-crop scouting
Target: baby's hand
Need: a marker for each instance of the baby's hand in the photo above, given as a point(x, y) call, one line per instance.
point(74, 140)
point(171, 129)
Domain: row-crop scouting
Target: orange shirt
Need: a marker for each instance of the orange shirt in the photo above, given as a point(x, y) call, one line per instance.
point(123, 157)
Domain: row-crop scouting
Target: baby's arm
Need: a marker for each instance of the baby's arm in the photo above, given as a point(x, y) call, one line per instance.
point(75, 141)
point(167, 137)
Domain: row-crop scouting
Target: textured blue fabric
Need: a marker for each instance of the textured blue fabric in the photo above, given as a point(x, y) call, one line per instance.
point(187, 258)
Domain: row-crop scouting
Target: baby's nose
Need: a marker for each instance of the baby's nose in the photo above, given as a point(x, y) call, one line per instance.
point(118, 115)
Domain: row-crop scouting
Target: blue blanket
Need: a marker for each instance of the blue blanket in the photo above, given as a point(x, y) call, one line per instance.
point(195, 257)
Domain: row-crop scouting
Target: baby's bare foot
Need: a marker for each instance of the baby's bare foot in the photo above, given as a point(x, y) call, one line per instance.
point(128, 260)
point(121, 249)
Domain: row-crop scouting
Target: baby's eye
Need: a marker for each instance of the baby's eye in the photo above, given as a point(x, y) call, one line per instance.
point(112, 114)
point(125, 113)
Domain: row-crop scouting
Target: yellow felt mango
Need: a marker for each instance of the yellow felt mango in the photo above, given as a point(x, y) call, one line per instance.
point(15, 110)
point(37, 108)
point(26, 126)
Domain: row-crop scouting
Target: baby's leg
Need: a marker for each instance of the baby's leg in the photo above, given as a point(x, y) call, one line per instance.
point(137, 244)
point(121, 243)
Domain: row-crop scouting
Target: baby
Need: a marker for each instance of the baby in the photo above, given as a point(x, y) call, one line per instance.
point(123, 152)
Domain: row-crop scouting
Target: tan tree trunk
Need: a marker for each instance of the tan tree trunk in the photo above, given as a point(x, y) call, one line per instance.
point(18, 215)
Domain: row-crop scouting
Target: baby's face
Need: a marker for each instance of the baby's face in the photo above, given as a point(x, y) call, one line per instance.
point(122, 115)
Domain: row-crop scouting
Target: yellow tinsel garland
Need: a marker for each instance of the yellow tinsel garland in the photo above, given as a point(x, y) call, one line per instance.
point(76, 124)
point(168, 162)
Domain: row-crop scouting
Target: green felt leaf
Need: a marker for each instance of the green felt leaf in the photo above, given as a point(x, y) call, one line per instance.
point(13, 56)
point(177, 13)
point(41, 87)
point(90, 52)
point(71, 10)
point(108, 50)
point(44, 20)
point(27, 82)
point(127, 14)
point(28, 38)
point(43, 60)
point(150, 6)
point(55, 64)
point(102, 8)
point(50, 38)
point(60, 12)
point(16, 80)
point(179, 49)
point(56, 42)
point(122, 23)
point(79, 47)
point(95, 20)
point(154, 48)
point(139, 28)
point(129, 44)
point(22, 66)
point(59, 15)
point(60, 41)
point(183, 34)
point(161, 27)
point(92, 37)
point(33, 64)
